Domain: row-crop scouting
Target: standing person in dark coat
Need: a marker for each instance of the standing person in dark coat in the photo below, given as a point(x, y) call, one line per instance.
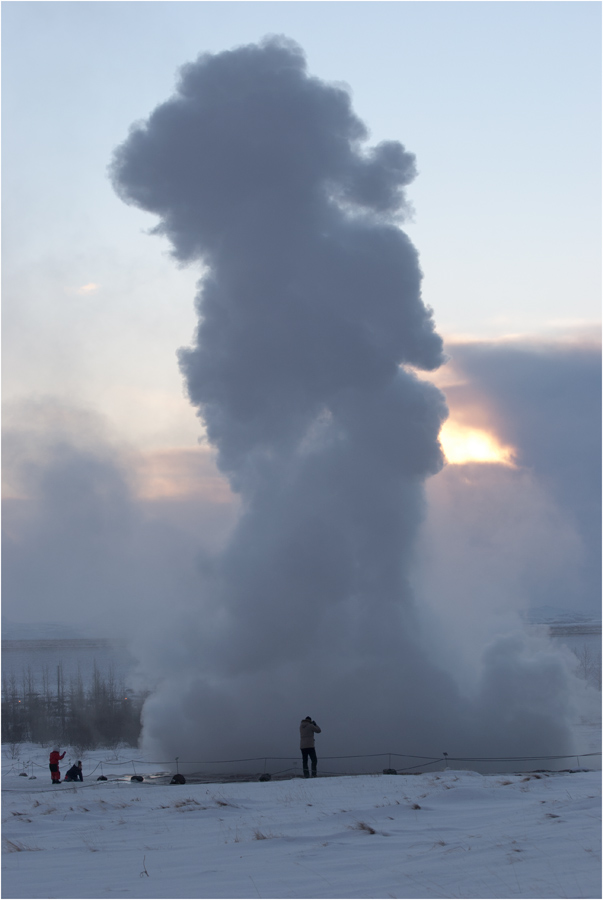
point(55, 774)
point(75, 772)
point(307, 729)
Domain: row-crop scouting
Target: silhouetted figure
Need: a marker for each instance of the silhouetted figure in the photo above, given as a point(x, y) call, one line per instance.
point(55, 775)
point(307, 729)
point(75, 772)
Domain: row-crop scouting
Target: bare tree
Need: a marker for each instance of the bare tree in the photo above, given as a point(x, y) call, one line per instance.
point(589, 665)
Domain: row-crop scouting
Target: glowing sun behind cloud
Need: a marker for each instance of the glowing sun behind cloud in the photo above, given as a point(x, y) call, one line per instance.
point(87, 288)
point(462, 444)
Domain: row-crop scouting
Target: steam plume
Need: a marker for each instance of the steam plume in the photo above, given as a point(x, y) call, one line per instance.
point(310, 314)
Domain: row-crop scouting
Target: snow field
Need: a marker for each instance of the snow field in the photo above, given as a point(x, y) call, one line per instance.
point(446, 834)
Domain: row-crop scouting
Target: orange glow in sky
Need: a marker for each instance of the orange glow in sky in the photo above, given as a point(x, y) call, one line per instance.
point(181, 472)
point(462, 444)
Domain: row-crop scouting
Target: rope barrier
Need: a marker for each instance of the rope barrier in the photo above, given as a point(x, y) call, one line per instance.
point(203, 762)
point(74, 786)
point(198, 762)
point(421, 765)
point(514, 758)
point(424, 760)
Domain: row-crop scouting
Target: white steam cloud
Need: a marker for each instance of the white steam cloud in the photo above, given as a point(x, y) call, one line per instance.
point(310, 312)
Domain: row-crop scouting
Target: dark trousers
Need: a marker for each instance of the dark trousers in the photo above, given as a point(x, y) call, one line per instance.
point(309, 752)
point(55, 774)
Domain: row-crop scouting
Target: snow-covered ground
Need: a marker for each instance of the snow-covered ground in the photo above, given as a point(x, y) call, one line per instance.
point(439, 834)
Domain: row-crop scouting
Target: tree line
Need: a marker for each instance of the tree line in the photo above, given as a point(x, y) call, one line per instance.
point(100, 714)
point(104, 713)
point(589, 665)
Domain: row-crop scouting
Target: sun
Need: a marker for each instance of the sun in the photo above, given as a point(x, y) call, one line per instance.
point(462, 444)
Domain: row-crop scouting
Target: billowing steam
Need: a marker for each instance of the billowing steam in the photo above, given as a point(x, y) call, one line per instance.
point(310, 315)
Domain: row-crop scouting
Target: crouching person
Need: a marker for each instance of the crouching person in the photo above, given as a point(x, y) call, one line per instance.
point(307, 729)
point(75, 772)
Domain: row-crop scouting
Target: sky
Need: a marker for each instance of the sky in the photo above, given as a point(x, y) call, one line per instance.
point(500, 103)
point(378, 225)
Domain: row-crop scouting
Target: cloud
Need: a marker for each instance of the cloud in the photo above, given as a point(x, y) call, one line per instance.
point(544, 400)
point(88, 538)
point(311, 323)
point(187, 473)
point(90, 288)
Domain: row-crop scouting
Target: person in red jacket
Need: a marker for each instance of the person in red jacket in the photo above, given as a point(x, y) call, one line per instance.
point(55, 774)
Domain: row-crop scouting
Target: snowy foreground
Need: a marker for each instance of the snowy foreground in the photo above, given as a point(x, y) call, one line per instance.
point(442, 834)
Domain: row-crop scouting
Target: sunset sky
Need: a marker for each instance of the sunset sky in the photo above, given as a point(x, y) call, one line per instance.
point(499, 102)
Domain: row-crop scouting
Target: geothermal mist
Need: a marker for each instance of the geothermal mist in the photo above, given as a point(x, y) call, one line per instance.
point(309, 310)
